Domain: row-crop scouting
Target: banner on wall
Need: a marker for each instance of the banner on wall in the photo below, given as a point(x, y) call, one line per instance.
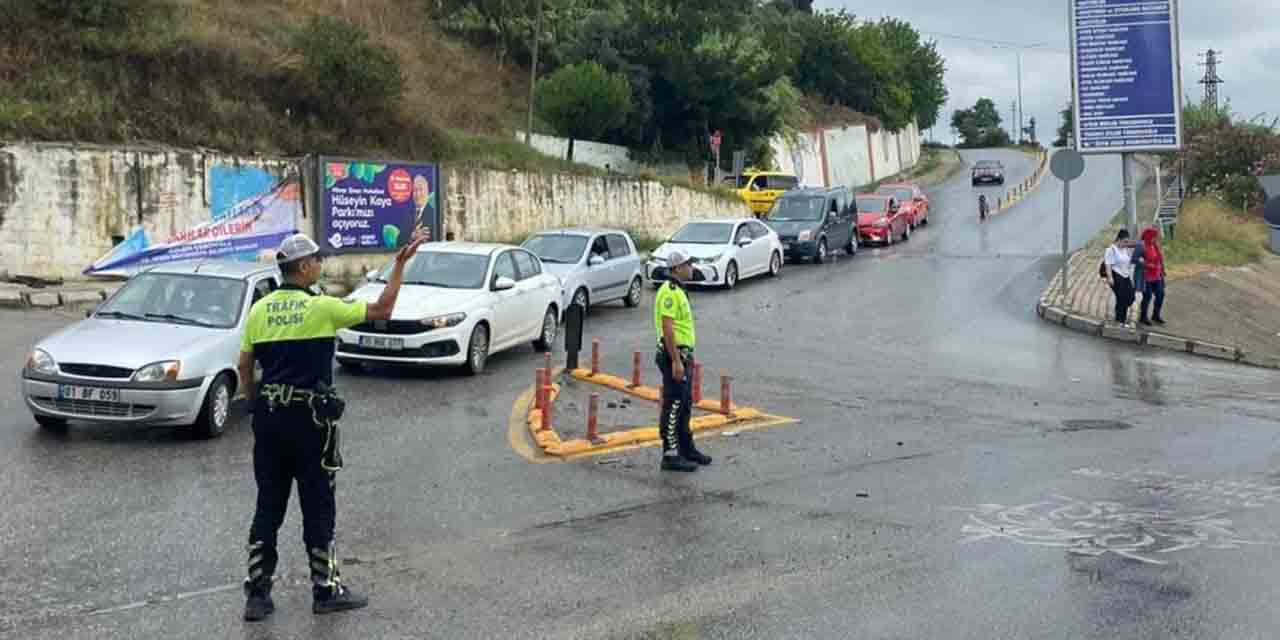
point(255, 224)
point(375, 207)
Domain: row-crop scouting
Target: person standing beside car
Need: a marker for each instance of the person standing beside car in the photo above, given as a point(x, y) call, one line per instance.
point(291, 332)
point(677, 337)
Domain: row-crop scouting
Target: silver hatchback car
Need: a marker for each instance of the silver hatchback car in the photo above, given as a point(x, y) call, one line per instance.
point(161, 351)
point(594, 266)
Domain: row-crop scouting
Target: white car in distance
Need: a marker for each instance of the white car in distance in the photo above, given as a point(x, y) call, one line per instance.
point(726, 250)
point(595, 266)
point(460, 303)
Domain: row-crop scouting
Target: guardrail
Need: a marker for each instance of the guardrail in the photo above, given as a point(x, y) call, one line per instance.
point(1169, 206)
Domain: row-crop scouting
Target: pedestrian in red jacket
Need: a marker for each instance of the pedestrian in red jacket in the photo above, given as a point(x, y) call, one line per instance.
point(1154, 274)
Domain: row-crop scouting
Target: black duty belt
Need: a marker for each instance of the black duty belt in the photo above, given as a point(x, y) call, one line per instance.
point(326, 409)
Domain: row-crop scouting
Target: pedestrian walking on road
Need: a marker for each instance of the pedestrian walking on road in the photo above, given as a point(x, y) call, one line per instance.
point(295, 413)
point(1153, 276)
point(982, 207)
point(673, 321)
point(1118, 261)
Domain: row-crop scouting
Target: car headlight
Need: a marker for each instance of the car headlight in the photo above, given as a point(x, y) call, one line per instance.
point(158, 371)
point(442, 322)
point(712, 260)
point(882, 222)
point(804, 236)
point(42, 363)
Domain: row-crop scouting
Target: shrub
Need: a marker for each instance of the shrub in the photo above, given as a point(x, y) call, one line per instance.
point(338, 75)
point(89, 13)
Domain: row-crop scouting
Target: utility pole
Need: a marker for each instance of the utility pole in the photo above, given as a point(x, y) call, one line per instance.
point(533, 74)
point(1019, 51)
point(1013, 110)
point(1211, 79)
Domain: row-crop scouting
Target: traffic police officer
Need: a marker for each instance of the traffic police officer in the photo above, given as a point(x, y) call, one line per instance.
point(291, 333)
point(673, 321)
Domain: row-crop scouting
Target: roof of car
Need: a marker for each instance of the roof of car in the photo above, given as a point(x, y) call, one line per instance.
point(874, 195)
point(719, 220)
point(579, 231)
point(812, 191)
point(474, 248)
point(897, 185)
point(988, 162)
point(221, 267)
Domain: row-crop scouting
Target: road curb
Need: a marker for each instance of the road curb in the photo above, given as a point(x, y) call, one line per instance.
point(1080, 324)
point(1021, 192)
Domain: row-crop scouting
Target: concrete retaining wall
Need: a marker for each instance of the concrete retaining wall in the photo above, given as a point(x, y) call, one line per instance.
point(64, 206)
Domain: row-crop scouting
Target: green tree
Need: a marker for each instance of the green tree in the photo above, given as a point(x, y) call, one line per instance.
point(922, 68)
point(979, 125)
point(340, 76)
point(583, 101)
point(1067, 129)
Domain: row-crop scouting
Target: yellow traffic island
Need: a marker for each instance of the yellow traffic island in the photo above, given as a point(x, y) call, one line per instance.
point(550, 446)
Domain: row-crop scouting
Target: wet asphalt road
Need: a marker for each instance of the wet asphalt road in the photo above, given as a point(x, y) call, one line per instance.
point(960, 470)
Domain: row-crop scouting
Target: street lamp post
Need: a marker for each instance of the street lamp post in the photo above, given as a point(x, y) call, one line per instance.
point(1018, 51)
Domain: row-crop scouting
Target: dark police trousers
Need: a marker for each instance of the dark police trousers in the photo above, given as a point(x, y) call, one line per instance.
point(677, 403)
point(288, 446)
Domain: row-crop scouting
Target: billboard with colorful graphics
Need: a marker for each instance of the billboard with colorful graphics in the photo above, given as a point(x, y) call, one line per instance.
point(257, 223)
point(370, 206)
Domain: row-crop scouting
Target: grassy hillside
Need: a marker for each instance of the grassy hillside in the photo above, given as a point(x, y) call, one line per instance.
point(227, 74)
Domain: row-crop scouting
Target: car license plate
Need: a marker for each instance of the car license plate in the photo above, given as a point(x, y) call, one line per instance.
point(378, 342)
point(93, 394)
point(786, 246)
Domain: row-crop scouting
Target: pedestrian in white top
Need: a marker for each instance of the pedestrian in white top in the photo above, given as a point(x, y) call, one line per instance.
point(1119, 274)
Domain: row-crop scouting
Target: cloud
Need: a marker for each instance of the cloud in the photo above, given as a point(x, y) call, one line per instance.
point(1239, 28)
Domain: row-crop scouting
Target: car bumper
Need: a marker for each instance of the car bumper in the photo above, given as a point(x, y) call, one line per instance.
point(439, 347)
point(798, 250)
point(711, 271)
point(875, 234)
point(178, 405)
point(988, 180)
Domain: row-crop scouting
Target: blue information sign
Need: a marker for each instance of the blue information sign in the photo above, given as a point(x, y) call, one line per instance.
point(1128, 85)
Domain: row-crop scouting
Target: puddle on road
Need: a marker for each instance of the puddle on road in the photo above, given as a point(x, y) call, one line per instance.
point(1094, 425)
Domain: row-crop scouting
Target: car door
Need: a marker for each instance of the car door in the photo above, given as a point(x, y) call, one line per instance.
point(897, 218)
point(754, 257)
point(622, 265)
point(762, 242)
point(599, 276)
point(533, 301)
point(508, 306)
point(848, 217)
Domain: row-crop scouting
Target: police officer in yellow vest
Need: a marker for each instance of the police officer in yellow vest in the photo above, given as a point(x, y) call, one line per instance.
point(291, 332)
point(673, 320)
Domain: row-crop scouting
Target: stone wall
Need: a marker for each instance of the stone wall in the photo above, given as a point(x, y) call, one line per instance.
point(64, 206)
point(850, 156)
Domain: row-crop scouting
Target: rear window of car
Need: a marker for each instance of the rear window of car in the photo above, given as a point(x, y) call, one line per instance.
point(618, 246)
point(873, 205)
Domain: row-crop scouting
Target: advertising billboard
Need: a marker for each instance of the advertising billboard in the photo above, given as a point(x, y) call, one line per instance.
point(369, 206)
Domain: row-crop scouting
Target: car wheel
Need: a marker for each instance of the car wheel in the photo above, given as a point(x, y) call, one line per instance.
point(351, 366)
point(731, 275)
point(820, 256)
point(48, 423)
point(925, 222)
point(775, 264)
point(633, 294)
point(582, 299)
point(888, 237)
point(906, 233)
point(477, 350)
point(852, 247)
point(550, 326)
point(217, 408)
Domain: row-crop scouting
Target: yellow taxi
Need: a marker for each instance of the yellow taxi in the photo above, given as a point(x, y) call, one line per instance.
point(761, 188)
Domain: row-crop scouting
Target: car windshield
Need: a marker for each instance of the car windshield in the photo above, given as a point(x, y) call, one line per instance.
point(204, 301)
point(902, 195)
point(704, 233)
point(443, 269)
point(872, 205)
point(798, 209)
point(557, 248)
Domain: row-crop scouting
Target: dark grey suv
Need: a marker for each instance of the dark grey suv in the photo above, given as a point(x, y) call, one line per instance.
point(811, 223)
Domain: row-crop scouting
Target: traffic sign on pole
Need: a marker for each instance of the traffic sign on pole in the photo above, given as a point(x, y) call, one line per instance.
point(1126, 76)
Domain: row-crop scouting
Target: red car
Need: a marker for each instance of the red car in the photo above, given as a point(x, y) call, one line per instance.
point(880, 219)
point(914, 202)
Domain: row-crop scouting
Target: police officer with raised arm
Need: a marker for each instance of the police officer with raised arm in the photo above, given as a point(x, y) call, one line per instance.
point(291, 332)
point(673, 320)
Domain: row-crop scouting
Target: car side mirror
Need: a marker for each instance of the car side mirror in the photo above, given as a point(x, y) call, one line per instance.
point(595, 259)
point(503, 283)
point(88, 313)
point(371, 276)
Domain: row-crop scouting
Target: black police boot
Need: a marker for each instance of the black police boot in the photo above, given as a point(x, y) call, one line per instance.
point(258, 604)
point(698, 457)
point(336, 598)
point(677, 463)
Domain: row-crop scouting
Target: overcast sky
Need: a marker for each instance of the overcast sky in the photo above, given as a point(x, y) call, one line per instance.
point(1246, 31)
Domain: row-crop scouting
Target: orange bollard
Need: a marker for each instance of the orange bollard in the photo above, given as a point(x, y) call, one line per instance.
point(697, 382)
point(595, 356)
point(547, 362)
point(726, 401)
point(593, 410)
point(547, 402)
point(539, 385)
point(635, 369)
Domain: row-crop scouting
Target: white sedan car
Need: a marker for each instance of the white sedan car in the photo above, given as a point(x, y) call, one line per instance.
point(460, 302)
point(725, 250)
